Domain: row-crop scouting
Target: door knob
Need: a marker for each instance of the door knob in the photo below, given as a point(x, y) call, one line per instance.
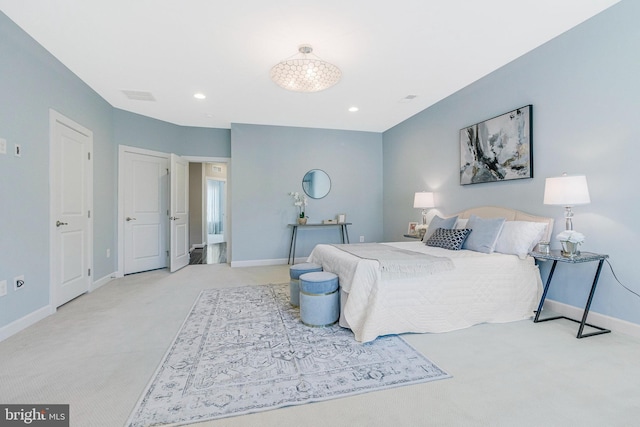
point(173, 218)
point(130, 219)
point(59, 223)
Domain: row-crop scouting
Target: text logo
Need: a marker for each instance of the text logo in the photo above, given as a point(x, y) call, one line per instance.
point(34, 415)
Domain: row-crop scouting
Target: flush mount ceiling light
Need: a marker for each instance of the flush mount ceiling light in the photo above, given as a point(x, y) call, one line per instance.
point(305, 72)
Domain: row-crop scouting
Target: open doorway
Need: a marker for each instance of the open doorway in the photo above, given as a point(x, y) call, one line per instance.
point(209, 195)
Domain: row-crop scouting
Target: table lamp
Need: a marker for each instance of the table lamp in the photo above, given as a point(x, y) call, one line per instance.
point(566, 191)
point(423, 200)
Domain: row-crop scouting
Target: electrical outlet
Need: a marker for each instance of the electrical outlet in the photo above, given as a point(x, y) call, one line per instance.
point(3, 146)
point(18, 282)
point(108, 253)
point(3, 288)
point(361, 239)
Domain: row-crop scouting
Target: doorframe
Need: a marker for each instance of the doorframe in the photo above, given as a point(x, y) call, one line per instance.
point(194, 159)
point(122, 150)
point(54, 118)
point(227, 161)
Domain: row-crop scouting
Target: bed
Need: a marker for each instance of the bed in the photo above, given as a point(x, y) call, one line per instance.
point(478, 287)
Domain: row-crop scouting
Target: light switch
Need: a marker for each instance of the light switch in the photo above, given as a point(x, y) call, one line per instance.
point(3, 146)
point(3, 288)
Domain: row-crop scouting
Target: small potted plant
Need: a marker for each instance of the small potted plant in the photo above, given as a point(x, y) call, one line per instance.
point(300, 201)
point(570, 240)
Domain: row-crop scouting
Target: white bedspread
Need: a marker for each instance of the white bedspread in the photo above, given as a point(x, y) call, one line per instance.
point(481, 288)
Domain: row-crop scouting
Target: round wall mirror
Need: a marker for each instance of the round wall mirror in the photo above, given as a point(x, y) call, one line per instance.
point(316, 183)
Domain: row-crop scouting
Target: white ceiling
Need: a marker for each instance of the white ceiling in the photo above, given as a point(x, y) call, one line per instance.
point(225, 49)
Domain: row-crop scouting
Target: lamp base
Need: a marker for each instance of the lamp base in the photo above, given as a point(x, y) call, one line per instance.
point(569, 249)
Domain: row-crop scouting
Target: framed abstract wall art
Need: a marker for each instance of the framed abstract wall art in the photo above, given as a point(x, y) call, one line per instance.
point(498, 149)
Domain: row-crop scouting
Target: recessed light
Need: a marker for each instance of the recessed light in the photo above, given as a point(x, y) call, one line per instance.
point(353, 109)
point(199, 95)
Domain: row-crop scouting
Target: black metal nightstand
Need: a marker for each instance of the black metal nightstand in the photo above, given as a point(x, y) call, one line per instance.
point(556, 257)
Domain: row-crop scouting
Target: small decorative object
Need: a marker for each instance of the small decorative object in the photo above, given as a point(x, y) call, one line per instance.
point(497, 149)
point(329, 221)
point(570, 240)
point(300, 200)
point(421, 229)
point(412, 228)
point(544, 248)
point(342, 218)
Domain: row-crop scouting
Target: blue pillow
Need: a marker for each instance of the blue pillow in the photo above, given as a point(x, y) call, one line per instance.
point(484, 234)
point(437, 222)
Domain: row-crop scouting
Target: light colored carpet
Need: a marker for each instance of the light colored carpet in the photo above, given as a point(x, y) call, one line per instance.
point(98, 353)
point(244, 350)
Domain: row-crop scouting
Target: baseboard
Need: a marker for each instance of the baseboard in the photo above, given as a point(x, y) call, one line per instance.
point(608, 322)
point(258, 263)
point(26, 321)
point(101, 282)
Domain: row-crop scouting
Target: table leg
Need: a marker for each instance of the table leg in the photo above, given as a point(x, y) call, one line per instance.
point(346, 232)
point(292, 245)
point(544, 294)
point(586, 308)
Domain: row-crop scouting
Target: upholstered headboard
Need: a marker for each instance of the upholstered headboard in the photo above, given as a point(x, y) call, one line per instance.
point(510, 215)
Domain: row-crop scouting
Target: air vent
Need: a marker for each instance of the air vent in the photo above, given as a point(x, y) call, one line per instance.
point(408, 98)
point(138, 95)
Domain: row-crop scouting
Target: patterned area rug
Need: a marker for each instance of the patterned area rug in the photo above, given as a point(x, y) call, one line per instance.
point(244, 350)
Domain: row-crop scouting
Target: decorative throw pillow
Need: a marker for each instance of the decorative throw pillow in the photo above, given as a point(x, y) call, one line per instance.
point(484, 234)
point(438, 222)
point(451, 239)
point(520, 237)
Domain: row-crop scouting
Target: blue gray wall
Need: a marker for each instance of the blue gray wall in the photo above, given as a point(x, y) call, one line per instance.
point(584, 87)
point(32, 82)
point(151, 134)
point(268, 162)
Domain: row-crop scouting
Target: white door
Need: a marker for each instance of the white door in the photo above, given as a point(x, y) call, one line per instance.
point(179, 216)
point(71, 201)
point(145, 213)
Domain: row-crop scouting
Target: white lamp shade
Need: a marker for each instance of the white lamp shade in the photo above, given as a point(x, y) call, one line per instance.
point(566, 191)
point(423, 200)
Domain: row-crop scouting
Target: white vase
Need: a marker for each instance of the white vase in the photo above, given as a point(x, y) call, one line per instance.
point(302, 221)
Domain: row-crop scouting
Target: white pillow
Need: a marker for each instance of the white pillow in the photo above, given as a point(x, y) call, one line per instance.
point(461, 223)
point(519, 237)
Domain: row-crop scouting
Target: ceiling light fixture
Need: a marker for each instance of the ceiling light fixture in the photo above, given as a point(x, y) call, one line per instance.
point(199, 95)
point(353, 109)
point(305, 72)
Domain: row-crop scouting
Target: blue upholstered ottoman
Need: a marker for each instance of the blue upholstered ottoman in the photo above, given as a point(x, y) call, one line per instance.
point(295, 271)
point(319, 298)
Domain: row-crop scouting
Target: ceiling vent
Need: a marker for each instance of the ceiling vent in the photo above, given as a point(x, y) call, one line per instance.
point(408, 98)
point(138, 95)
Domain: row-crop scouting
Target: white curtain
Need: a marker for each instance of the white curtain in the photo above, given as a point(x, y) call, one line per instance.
point(215, 206)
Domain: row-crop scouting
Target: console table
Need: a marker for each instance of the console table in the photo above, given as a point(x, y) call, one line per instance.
point(556, 257)
point(342, 226)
